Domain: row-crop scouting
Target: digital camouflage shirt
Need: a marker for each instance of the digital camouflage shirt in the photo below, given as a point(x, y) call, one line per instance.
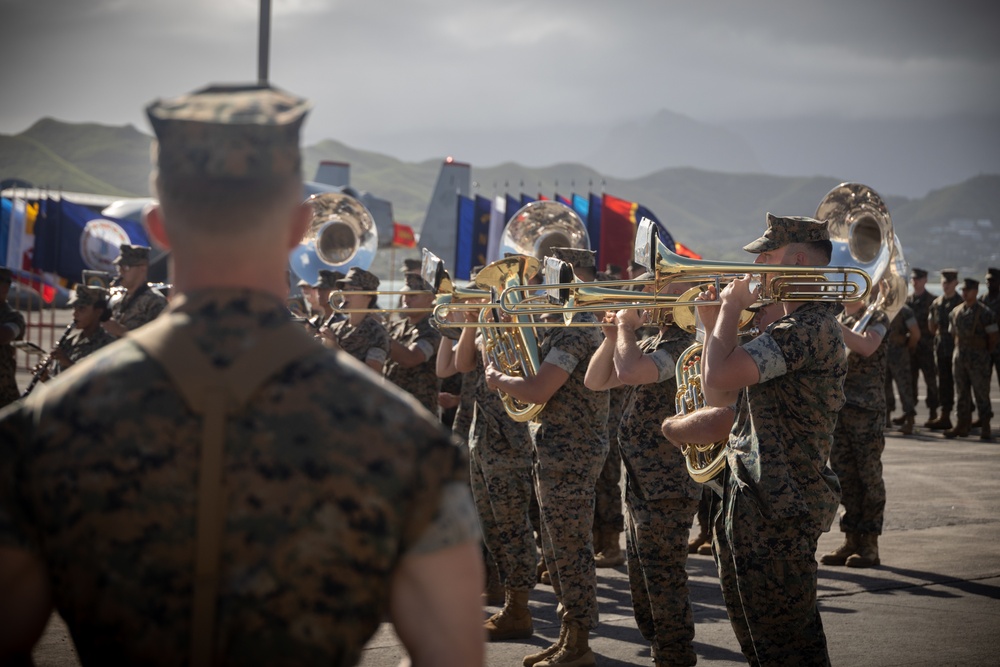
point(921, 307)
point(369, 341)
point(9, 317)
point(138, 307)
point(864, 385)
point(330, 480)
point(781, 460)
point(79, 346)
point(655, 468)
point(972, 326)
point(421, 381)
point(941, 314)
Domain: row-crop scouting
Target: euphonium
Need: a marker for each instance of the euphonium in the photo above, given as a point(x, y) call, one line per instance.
point(514, 349)
point(704, 461)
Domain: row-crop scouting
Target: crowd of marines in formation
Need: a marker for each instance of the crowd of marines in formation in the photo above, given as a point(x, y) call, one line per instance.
point(339, 499)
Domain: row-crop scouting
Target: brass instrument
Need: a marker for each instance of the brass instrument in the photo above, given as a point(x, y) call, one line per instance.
point(342, 234)
point(43, 366)
point(704, 461)
point(539, 226)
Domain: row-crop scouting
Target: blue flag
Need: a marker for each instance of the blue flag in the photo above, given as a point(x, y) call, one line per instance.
point(464, 237)
point(582, 206)
point(70, 238)
point(665, 236)
point(480, 232)
point(526, 199)
point(593, 221)
point(513, 206)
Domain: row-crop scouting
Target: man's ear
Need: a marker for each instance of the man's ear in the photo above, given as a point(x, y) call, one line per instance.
point(152, 217)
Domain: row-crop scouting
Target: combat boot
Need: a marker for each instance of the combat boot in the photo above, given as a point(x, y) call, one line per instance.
point(899, 420)
point(976, 423)
point(984, 431)
point(694, 543)
point(907, 427)
point(705, 549)
point(535, 658)
point(961, 429)
point(941, 423)
point(888, 420)
point(511, 622)
point(840, 555)
point(867, 555)
point(610, 554)
point(931, 418)
point(575, 650)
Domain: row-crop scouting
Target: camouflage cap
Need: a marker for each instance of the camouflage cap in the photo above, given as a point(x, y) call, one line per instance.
point(410, 266)
point(6, 275)
point(992, 274)
point(782, 230)
point(358, 277)
point(580, 258)
point(132, 255)
point(303, 283)
point(416, 283)
point(949, 275)
point(970, 283)
point(918, 273)
point(88, 295)
point(327, 279)
point(239, 132)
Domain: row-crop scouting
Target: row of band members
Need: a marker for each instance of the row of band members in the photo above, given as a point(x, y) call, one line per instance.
point(398, 539)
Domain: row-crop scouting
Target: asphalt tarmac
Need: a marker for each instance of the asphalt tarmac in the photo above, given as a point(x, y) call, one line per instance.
point(934, 601)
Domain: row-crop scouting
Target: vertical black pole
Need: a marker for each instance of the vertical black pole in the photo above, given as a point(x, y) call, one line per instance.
point(264, 42)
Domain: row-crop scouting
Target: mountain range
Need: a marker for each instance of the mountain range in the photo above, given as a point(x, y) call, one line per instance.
point(714, 208)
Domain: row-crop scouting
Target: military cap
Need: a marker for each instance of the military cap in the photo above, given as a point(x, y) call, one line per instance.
point(230, 131)
point(992, 274)
point(918, 273)
point(782, 230)
point(133, 255)
point(6, 275)
point(88, 295)
point(580, 258)
point(328, 279)
point(613, 269)
point(970, 283)
point(947, 275)
point(416, 283)
point(410, 266)
point(303, 283)
point(358, 277)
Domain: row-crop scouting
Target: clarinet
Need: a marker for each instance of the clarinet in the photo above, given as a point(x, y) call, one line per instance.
point(43, 366)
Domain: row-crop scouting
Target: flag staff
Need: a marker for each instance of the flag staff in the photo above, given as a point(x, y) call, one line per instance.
point(264, 42)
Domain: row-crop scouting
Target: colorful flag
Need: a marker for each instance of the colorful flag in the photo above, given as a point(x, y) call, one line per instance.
point(617, 231)
point(640, 212)
point(526, 199)
point(70, 238)
point(498, 219)
point(582, 206)
point(593, 221)
point(563, 200)
point(480, 232)
point(464, 238)
point(403, 236)
point(684, 251)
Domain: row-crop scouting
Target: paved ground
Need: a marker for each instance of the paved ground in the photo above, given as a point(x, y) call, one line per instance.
point(935, 601)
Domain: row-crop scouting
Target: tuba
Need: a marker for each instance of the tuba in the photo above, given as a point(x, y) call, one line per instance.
point(342, 234)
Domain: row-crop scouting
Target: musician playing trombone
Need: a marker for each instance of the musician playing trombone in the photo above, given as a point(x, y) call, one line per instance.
point(779, 493)
point(359, 334)
point(660, 496)
point(413, 343)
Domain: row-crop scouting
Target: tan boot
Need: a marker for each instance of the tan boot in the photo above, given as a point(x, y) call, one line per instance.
point(840, 555)
point(961, 429)
point(694, 543)
point(941, 423)
point(867, 555)
point(513, 621)
point(536, 658)
point(931, 418)
point(495, 593)
point(984, 431)
point(575, 650)
point(610, 554)
point(907, 427)
point(705, 549)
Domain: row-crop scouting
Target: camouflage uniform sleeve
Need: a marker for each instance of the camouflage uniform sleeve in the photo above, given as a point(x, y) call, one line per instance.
point(910, 319)
point(15, 429)
point(766, 353)
point(13, 320)
point(428, 338)
point(567, 348)
point(379, 339)
point(456, 521)
point(665, 364)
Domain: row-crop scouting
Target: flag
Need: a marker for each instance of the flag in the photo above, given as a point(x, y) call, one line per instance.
point(526, 199)
point(617, 231)
point(403, 236)
point(512, 207)
point(640, 212)
point(582, 206)
point(684, 251)
point(593, 221)
point(480, 232)
point(498, 219)
point(563, 200)
point(464, 238)
point(70, 238)
point(20, 239)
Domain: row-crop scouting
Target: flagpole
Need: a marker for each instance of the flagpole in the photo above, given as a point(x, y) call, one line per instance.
point(264, 42)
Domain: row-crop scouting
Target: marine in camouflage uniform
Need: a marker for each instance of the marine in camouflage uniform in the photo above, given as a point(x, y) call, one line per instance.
point(417, 335)
point(571, 444)
point(12, 327)
point(939, 324)
point(336, 489)
point(609, 522)
point(991, 299)
point(89, 304)
point(779, 493)
point(901, 341)
point(922, 358)
point(660, 496)
point(140, 303)
point(360, 335)
point(976, 332)
point(859, 440)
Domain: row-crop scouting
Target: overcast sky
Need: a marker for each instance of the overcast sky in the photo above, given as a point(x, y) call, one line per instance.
point(383, 69)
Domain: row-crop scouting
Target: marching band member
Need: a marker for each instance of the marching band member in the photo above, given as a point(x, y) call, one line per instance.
point(361, 335)
point(139, 303)
point(413, 345)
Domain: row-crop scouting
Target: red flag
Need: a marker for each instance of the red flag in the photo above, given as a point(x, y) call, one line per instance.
point(617, 231)
point(684, 251)
point(403, 236)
